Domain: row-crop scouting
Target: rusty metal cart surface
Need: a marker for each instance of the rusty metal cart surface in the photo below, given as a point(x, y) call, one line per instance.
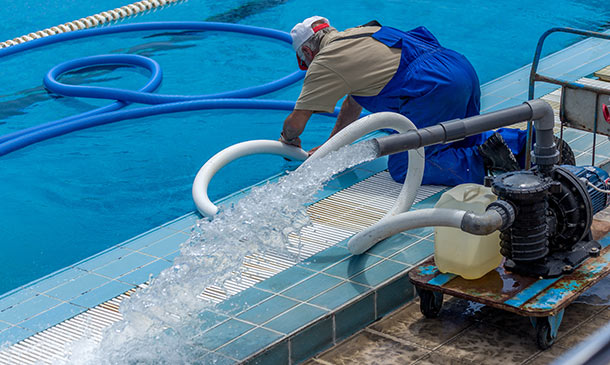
point(543, 300)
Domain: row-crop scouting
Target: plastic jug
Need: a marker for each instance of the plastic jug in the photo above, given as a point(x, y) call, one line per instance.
point(461, 253)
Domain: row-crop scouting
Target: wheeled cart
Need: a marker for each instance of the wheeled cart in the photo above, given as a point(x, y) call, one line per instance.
point(542, 300)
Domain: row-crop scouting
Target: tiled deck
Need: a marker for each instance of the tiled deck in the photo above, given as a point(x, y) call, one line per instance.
point(463, 334)
point(294, 311)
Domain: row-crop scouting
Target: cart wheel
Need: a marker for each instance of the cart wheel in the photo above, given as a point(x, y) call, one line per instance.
point(430, 303)
point(544, 335)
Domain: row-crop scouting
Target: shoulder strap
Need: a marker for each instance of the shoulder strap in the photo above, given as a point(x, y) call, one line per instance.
point(372, 23)
point(361, 35)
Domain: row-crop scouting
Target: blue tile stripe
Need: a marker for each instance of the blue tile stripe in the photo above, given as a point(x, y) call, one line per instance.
point(267, 310)
point(530, 292)
point(441, 279)
point(552, 295)
point(555, 295)
point(4, 325)
point(15, 334)
point(28, 309)
point(605, 241)
point(249, 343)
point(312, 287)
point(296, 318)
point(49, 318)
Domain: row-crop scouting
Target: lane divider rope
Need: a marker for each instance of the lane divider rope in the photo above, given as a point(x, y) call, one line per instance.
point(94, 20)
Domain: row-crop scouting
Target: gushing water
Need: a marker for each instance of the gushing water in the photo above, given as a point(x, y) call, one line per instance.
point(161, 322)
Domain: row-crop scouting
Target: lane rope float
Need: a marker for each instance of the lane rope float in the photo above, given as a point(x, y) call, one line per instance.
point(94, 20)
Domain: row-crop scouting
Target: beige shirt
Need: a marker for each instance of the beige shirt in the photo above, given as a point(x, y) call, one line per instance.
point(360, 66)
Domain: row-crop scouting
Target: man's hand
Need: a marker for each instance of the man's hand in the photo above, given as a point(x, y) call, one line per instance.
point(292, 142)
point(311, 151)
point(293, 126)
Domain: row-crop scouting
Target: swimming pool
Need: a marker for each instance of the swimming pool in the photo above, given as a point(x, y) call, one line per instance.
point(70, 197)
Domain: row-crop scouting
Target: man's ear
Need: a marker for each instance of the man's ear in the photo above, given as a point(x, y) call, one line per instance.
point(307, 52)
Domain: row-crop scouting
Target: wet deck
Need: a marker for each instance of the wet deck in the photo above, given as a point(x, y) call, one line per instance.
point(464, 333)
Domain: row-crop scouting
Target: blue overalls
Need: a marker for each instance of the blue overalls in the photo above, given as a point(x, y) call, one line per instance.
point(431, 85)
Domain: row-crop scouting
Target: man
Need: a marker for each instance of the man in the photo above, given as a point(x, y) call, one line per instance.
point(385, 69)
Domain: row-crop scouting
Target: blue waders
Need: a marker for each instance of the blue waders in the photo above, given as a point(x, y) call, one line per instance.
point(431, 85)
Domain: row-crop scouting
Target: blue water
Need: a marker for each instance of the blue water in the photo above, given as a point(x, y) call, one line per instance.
point(65, 199)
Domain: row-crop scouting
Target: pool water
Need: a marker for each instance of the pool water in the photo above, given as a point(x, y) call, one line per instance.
point(70, 197)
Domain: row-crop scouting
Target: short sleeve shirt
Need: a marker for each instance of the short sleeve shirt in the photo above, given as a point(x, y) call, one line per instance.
point(357, 66)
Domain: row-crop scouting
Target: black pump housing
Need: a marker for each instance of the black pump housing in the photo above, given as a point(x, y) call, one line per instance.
point(553, 212)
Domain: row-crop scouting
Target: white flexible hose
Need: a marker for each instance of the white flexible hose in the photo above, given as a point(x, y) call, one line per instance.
point(222, 158)
point(374, 122)
point(92, 20)
point(346, 136)
point(389, 226)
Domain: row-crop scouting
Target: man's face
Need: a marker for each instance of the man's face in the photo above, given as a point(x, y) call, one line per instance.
point(305, 57)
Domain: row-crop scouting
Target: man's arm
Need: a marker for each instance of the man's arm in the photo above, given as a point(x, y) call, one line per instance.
point(294, 126)
point(350, 111)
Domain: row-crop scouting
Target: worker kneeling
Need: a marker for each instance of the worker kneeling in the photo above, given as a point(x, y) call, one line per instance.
point(385, 69)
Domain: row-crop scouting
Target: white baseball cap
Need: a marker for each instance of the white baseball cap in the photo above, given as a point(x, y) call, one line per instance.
point(303, 31)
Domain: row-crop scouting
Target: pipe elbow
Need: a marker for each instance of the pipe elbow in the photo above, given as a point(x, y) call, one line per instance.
point(542, 114)
point(481, 224)
point(498, 216)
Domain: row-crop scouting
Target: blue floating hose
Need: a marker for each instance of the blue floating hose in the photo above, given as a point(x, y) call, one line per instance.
point(144, 96)
point(134, 60)
point(162, 103)
point(116, 116)
point(51, 83)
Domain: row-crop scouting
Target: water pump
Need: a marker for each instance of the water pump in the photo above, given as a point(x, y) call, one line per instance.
point(544, 214)
point(554, 209)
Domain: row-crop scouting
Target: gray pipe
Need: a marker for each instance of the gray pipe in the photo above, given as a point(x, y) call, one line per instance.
point(540, 111)
point(499, 215)
point(545, 153)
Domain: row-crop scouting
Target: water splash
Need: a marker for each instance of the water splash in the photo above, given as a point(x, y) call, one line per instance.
point(161, 322)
